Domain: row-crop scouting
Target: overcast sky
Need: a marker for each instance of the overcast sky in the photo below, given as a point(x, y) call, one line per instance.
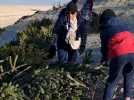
point(33, 2)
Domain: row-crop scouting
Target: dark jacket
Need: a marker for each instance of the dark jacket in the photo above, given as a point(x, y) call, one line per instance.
point(83, 23)
point(116, 38)
point(60, 28)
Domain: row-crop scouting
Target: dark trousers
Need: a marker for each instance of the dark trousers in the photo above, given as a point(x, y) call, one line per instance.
point(123, 65)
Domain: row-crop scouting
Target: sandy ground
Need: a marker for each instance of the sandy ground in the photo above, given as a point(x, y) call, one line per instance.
point(11, 13)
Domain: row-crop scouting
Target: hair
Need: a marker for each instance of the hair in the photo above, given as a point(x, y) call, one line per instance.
point(75, 1)
point(106, 15)
point(72, 8)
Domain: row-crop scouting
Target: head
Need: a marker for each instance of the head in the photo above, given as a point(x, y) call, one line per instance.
point(72, 10)
point(106, 15)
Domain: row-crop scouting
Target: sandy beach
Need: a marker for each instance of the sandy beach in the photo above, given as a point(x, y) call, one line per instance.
point(11, 13)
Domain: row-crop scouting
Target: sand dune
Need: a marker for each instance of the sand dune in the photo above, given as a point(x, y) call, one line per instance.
point(11, 13)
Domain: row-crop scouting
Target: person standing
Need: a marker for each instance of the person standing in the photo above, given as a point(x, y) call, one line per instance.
point(85, 15)
point(67, 35)
point(84, 8)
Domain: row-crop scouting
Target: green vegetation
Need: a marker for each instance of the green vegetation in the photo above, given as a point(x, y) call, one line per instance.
point(10, 92)
point(25, 75)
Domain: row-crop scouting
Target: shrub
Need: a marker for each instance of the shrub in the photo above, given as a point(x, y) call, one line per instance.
point(52, 84)
point(32, 44)
point(8, 91)
point(62, 82)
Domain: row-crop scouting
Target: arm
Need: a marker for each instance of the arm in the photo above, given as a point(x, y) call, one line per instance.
point(104, 48)
point(78, 33)
point(58, 26)
point(60, 21)
point(56, 31)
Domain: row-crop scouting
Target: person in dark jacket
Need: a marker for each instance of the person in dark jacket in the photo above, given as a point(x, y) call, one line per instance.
point(117, 46)
point(84, 15)
point(65, 52)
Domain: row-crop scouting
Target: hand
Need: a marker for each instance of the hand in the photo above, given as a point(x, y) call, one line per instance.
point(78, 39)
point(104, 62)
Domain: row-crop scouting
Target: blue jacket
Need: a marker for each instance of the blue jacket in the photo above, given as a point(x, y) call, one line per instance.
point(113, 29)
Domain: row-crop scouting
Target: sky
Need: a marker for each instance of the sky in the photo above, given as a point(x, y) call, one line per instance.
point(32, 2)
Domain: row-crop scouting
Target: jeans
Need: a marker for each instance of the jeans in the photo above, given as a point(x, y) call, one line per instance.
point(123, 65)
point(68, 56)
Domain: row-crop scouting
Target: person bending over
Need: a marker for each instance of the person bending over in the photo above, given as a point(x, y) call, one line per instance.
point(117, 47)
